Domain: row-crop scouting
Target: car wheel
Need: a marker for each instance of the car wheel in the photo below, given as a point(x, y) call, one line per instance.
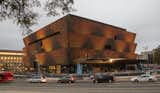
point(136, 80)
point(94, 81)
point(72, 81)
point(150, 80)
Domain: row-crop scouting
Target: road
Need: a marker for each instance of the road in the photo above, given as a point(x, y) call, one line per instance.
point(21, 86)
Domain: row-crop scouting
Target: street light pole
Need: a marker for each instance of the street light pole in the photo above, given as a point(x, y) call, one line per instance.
point(36, 66)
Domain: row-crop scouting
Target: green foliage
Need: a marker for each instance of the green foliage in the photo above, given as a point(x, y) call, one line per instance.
point(157, 55)
point(21, 11)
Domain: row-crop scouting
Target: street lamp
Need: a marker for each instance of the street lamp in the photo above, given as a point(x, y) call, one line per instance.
point(110, 60)
point(36, 66)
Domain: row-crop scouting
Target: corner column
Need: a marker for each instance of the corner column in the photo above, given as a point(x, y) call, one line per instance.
point(79, 69)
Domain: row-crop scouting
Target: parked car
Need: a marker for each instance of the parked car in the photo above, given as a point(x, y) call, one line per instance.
point(37, 79)
point(103, 78)
point(6, 76)
point(67, 79)
point(144, 77)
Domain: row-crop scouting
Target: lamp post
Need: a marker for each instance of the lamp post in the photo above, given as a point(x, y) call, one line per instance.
point(36, 66)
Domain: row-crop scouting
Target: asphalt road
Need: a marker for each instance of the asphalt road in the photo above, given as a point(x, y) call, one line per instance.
point(21, 86)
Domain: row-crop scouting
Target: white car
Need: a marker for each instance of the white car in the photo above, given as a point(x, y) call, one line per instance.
point(38, 79)
point(144, 77)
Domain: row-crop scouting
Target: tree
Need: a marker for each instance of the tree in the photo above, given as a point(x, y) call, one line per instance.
point(156, 56)
point(22, 11)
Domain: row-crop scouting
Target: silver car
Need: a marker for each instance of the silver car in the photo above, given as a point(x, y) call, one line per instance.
point(144, 77)
point(38, 79)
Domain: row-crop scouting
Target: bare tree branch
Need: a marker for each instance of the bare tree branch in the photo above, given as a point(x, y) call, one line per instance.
point(21, 11)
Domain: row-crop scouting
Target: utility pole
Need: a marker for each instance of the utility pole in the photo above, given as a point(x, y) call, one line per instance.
point(36, 66)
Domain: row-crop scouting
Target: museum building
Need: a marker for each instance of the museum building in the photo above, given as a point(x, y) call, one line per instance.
point(76, 44)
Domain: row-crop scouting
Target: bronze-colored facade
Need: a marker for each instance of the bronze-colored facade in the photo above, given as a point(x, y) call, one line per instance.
point(73, 37)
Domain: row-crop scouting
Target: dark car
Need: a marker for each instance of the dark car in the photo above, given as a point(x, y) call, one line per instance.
point(103, 78)
point(66, 79)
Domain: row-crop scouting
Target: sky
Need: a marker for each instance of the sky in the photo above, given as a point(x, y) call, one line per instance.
point(139, 16)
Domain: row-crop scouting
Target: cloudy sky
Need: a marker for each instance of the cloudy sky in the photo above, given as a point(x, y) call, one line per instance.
point(139, 16)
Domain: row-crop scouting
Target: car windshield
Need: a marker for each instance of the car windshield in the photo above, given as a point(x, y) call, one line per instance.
point(36, 77)
point(145, 75)
point(66, 76)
